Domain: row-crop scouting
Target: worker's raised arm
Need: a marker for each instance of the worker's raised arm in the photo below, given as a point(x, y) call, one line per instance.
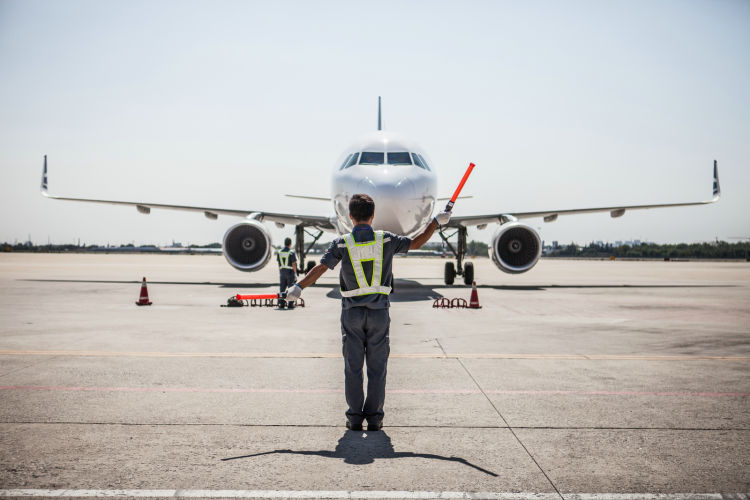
point(419, 240)
point(313, 275)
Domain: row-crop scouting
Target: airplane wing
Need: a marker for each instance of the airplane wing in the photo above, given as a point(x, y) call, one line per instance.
point(320, 222)
point(551, 215)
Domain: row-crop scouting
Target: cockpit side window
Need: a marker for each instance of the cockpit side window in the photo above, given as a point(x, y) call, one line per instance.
point(420, 161)
point(399, 158)
point(352, 161)
point(349, 161)
point(346, 162)
point(371, 158)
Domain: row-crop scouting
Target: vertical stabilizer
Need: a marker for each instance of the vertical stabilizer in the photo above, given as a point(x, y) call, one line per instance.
point(717, 187)
point(380, 123)
point(44, 175)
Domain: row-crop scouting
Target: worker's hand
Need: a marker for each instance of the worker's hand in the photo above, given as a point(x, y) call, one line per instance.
point(293, 292)
point(442, 218)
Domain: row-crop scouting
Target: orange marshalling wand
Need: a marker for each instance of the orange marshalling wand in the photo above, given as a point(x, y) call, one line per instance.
point(453, 199)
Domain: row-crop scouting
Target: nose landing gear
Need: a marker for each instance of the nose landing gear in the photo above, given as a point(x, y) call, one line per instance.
point(299, 246)
point(459, 269)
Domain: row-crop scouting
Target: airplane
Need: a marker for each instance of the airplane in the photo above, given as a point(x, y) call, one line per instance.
point(399, 176)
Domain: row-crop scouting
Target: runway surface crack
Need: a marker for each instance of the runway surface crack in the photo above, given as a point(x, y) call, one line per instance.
point(499, 414)
point(46, 359)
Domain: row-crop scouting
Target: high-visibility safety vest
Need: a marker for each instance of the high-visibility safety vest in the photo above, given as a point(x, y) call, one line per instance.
point(363, 252)
point(284, 259)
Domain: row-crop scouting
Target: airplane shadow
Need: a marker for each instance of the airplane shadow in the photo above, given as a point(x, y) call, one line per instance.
point(403, 291)
point(156, 282)
point(522, 288)
point(358, 448)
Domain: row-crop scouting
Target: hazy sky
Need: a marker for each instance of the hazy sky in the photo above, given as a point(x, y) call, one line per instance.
point(233, 104)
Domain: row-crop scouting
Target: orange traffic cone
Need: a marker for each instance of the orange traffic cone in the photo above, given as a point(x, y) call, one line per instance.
point(474, 301)
point(143, 300)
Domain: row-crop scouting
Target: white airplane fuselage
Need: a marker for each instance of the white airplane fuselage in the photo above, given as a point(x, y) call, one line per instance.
point(395, 173)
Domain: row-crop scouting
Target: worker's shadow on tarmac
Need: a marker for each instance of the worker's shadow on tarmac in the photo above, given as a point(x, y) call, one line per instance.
point(361, 448)
point(403, 291)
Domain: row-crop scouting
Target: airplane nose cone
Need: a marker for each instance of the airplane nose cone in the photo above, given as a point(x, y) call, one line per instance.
point(393, 203)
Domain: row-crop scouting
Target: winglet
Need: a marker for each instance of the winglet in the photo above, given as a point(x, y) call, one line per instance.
point(44, 177)
point(380, 123)
point(717, 188)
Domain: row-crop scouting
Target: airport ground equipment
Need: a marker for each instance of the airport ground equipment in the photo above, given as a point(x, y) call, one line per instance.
point(459, 303)
point(259, 300)
point(474, 300)
point(459, 269)
point(446, 303)
point(143, 299)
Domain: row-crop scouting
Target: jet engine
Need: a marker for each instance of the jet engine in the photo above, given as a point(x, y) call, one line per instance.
point(247, 246)
point(515, 248)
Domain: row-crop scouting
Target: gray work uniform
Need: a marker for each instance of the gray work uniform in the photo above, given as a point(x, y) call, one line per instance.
point(365, 321)
point(285, 258)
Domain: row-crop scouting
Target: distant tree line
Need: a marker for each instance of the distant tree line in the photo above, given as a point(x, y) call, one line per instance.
point(71, 247)
point(713, 250)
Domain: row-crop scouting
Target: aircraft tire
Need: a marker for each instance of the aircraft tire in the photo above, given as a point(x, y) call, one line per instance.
point(309, 266)
point(468, 273)
point(450, 273)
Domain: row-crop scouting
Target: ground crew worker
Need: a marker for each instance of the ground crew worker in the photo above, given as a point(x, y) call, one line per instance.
point(366, 279)
point(287, 270)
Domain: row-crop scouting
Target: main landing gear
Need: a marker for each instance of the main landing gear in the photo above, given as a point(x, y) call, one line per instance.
point(459, 269)
point(301, 251)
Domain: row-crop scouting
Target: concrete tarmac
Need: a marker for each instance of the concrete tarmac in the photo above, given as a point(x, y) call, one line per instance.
point(578, 378)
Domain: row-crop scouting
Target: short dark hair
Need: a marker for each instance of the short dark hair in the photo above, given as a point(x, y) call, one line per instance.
point(361, 207)
point(288, 242)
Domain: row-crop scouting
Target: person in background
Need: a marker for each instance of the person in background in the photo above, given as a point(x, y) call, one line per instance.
point(287, 271)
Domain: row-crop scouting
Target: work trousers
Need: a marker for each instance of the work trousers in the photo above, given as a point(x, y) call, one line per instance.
point(364, 337)
point(286, 279)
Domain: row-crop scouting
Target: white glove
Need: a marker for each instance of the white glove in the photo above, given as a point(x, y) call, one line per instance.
point(442, 218)
point(293, 292)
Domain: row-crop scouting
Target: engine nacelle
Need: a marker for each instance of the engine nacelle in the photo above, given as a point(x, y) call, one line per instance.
point(247, 246)
point(516, 248)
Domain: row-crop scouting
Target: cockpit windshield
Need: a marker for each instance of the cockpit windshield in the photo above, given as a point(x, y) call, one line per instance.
point(399, 159)
point(378, 158)
point(371, 158)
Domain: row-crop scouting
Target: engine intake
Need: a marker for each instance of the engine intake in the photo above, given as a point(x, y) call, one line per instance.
point(247, 246)
point(516, 248)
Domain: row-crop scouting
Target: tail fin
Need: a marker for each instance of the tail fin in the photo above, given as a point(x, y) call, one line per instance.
point(380, 124)
point(44, 176)
point(717, 187)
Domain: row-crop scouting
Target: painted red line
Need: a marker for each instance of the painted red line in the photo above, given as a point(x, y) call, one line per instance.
point(626, 393)
point(164, 389)
point(393, 391)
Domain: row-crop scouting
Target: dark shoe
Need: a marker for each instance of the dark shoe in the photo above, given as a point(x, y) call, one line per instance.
point(353, 427)
point(374, 426)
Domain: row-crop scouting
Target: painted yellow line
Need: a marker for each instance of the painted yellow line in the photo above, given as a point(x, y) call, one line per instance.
point(580, 357)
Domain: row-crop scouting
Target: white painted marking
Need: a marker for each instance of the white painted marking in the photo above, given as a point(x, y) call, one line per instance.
point(367, 495)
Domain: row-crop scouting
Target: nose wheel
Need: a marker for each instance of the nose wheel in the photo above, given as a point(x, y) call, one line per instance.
point(299, 246)
point(459, 268)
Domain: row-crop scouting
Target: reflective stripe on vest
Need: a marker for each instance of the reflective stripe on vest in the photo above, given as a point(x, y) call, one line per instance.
point(362, 252)
point(284, 259)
